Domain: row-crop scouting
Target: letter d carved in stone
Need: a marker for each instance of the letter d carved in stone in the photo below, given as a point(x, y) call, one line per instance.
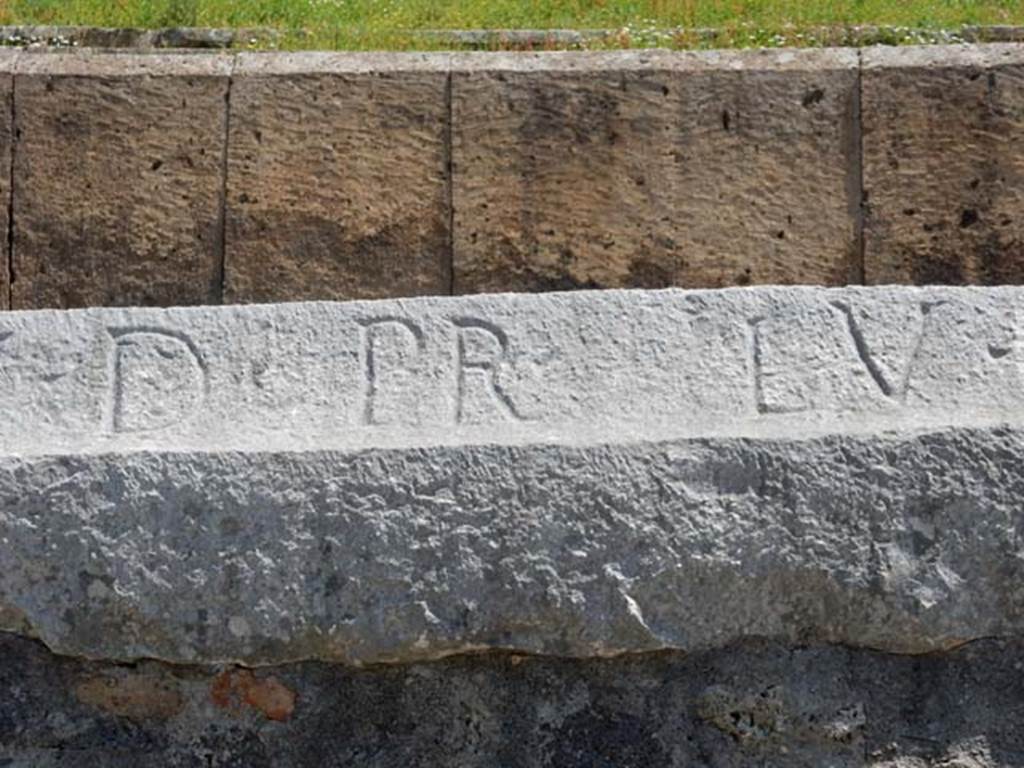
point(157, 379)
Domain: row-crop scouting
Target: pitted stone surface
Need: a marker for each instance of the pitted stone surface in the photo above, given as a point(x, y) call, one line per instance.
point(118, 174)
point(338, 177)
point(944, 164)
point(649, 169)
point(747, 706)
point(572, 474)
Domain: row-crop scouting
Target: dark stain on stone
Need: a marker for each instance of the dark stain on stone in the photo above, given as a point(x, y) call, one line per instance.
point(580, 117)
point(71, 128)
point(132, 695)
point(646, 273)
point(615, 739)
point(999, 261)
point(929, 269)
point(968, 218)
point(812, 97)
point(561, 282)
point(319, 258)
point(334, 584)
point(234, 688)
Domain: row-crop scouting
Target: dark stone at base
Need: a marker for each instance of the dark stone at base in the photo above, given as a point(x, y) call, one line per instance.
point(755, 705)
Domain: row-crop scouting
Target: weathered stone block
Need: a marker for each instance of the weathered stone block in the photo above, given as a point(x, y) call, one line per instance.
point(944, 164)
point(338, 177)
point(7, 61)
point(653, 169)
point(581, 474)
point(745, 706)
point(118, 176)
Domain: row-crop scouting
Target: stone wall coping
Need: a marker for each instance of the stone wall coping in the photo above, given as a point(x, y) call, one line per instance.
point(944, 56)
point(123, 64)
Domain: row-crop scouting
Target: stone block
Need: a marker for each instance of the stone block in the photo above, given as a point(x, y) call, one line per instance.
point(944, 164)
point(338, 177)
point(654, 169)
point(118, 177)
point(581, 474)
point(744, 706)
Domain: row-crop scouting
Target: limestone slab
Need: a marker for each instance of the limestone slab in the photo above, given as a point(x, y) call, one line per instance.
point(653, 169)
point(944, 164)
point(338, 177)
point(578, 474)
point(118, 172)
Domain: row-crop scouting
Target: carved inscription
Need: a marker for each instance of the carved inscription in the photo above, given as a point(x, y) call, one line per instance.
point(481, 349)
point(391, 346)
point(424, 367)
point(756, 365)
point(158, 379)
point(4, 337)
point(890, 385)
point(810, 361)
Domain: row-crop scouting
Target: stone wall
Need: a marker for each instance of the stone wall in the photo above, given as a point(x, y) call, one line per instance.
point(773, 526)
point(196, 178)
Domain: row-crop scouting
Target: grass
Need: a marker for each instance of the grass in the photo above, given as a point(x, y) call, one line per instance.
point(394, 24)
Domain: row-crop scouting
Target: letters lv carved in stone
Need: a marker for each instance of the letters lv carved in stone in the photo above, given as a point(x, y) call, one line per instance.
point(789, 377)
point(158, 379)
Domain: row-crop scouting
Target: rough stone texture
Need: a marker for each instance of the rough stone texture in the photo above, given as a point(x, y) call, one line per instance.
point(944, 164)
point(338, 177)
point(33, 36)
point(7, 61)
point(652, 169)
point(749, 706)
point(118, 173)
point(577, 474)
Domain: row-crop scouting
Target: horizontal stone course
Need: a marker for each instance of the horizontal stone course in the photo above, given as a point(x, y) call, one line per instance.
point(741, 707)
point(167, 179)
point(570, 474)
